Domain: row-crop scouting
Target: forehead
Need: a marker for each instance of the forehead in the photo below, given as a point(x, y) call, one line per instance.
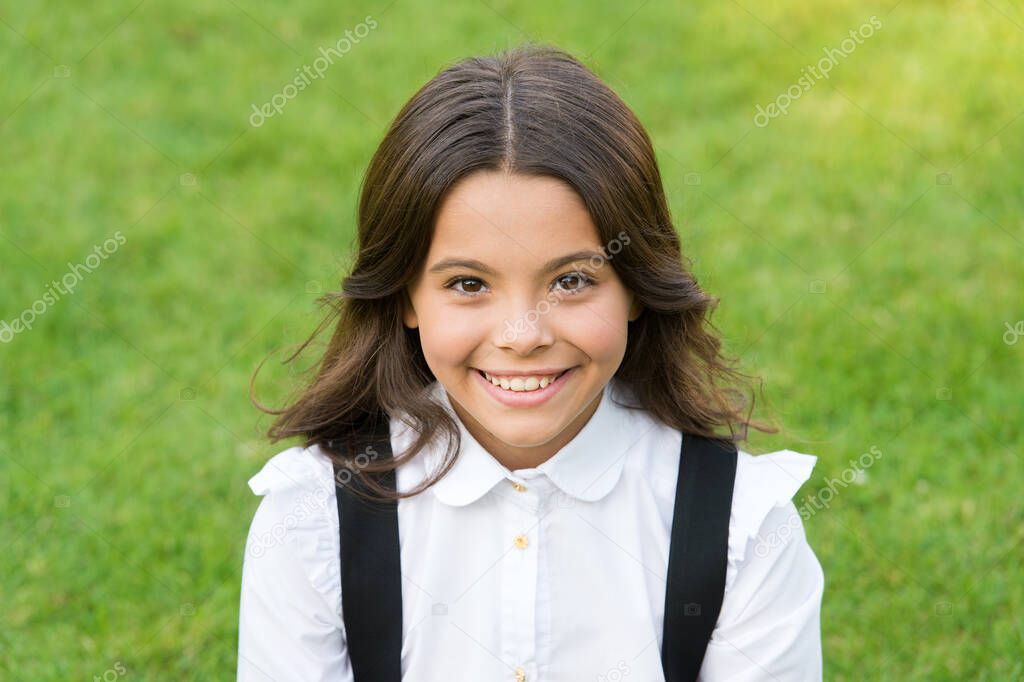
point(511, 218)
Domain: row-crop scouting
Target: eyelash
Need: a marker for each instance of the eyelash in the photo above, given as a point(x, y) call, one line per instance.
point(587, 282)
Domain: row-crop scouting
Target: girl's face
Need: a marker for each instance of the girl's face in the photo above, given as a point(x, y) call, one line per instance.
point(508, 288)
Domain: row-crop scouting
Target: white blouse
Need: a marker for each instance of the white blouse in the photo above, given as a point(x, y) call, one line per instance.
point(550, 574)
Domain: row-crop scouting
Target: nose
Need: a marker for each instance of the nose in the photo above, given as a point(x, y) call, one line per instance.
point(526, 327)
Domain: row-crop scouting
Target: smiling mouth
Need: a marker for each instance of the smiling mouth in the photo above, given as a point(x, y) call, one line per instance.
point(482, 374)
point(556, 378)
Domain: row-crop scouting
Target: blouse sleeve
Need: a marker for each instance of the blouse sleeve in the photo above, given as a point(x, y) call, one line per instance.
point(290, 625)
point(769, 626)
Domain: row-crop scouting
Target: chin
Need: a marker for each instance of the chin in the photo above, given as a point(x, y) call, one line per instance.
point(528, 436)
point(518, 430)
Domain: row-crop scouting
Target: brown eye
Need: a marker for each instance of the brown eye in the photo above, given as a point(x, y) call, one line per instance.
point(470, 286)
point(574, 282)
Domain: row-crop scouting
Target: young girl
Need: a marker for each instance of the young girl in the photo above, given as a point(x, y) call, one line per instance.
point(519, 457)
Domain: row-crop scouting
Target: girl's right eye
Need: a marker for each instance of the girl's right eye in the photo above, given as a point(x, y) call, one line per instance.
point(474, 282)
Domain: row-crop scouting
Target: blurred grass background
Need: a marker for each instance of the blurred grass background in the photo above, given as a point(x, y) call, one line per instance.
point(867, 248)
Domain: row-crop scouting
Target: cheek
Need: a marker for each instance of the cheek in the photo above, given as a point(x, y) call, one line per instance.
point(449, 336)
point(599, 337)
point(598, 328)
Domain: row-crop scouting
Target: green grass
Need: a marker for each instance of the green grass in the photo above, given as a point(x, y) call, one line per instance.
point(871, 296)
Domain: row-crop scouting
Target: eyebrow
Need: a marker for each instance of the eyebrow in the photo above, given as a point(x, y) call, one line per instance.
point(553, 264)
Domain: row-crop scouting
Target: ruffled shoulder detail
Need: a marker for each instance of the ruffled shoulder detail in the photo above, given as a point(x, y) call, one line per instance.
point(298, 486)
point(763, 482)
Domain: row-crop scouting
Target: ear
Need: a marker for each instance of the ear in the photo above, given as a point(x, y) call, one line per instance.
point(635, 308)
point(409, 317)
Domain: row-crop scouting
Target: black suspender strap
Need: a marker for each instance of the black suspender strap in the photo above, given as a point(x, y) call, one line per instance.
point(697, 554)
point(371, 584)
point(371, 578)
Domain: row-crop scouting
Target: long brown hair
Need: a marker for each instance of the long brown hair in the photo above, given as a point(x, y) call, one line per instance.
point(532, 110)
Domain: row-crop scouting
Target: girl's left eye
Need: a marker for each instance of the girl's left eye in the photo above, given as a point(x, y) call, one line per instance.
point(576, 280)
point(583, 281)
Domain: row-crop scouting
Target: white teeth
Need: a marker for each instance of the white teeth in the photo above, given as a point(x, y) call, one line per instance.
point(524, 383)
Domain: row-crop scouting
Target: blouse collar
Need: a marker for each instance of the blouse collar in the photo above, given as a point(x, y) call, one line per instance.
point(586, 468)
